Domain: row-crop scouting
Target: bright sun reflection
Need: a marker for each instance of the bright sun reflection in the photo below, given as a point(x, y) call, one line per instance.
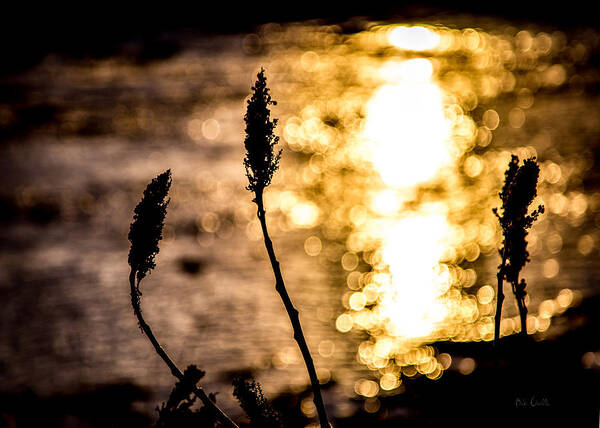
point(408, 135)
point(406, 128)
point(413, 248)
point(401, 195)
point(414, 38)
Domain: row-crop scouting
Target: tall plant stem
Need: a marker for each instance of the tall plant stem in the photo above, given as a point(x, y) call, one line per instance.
point(293, 314)
point(522, 310)
point(499, 299)
point(198, 391)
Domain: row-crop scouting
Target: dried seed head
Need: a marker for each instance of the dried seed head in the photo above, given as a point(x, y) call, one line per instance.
point(509, 178)
point(146, 230)
point(261, 161)
point(519, 190)
point(523, 189)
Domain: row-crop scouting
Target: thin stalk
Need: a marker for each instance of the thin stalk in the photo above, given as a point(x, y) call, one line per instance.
point(293, 315)
point(499, 297)
point(523, 315)
point(522, 310)
point(499, 301)
point(198, 391)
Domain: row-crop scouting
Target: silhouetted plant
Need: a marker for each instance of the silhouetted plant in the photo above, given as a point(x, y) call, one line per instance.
point(177, 411)
point(518, 192)
point(146, 230)
point(261, 162)
point(257, 407)
point(145, 233)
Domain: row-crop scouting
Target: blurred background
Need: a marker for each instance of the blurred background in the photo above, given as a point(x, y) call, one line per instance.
point(396, 126)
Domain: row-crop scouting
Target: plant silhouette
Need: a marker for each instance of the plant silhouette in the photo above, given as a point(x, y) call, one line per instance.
point(144, 234)
point(177, 410)
point(261, 162)
point(518, 192)
point(257, 408)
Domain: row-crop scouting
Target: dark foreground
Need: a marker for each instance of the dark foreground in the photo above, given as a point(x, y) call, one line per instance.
point(531, 383)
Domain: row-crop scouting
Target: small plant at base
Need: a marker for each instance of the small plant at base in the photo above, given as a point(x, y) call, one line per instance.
point(251, 398)
point(177, 411)
point(518, 192)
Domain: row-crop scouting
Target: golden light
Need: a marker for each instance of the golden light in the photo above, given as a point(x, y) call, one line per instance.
point(372, 405)
point(546, 309)
point(349, 261)
point(326, 348)
point(406, 129)
point(308, 407)
point(304, 214)
point(386, 202)
point(409, 133)
point(389, 381)
point(412, 302)
point(309, 61)
point(551, 172)
point(366, 388)
point(194, 129)
point(516, 117)
point(357, 301)
point(485, 294)
point(554, 243)
point(550, 268)
point(416, 69)
point(211, 129)
point(564, 298)
point(466, 366)
point(491, 119)
point(313, 246)
point(445, 360)
point(473, 166)
point(344, 323)
point(585, 245)
point(415, 38)
point(414, 215)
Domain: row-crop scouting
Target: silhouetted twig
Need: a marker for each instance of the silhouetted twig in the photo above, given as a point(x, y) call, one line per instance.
point(518, 192)
point(145, 233)
point(177, 411)
point(261, 162)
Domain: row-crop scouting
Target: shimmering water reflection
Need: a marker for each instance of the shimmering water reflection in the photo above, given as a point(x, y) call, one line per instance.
point(395, 140)
point(404, 168)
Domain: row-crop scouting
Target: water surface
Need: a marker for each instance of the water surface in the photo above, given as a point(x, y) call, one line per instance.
point(395, 137)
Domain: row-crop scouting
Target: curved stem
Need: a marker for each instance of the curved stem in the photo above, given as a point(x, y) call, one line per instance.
point(198, 391)
point(293, 315)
